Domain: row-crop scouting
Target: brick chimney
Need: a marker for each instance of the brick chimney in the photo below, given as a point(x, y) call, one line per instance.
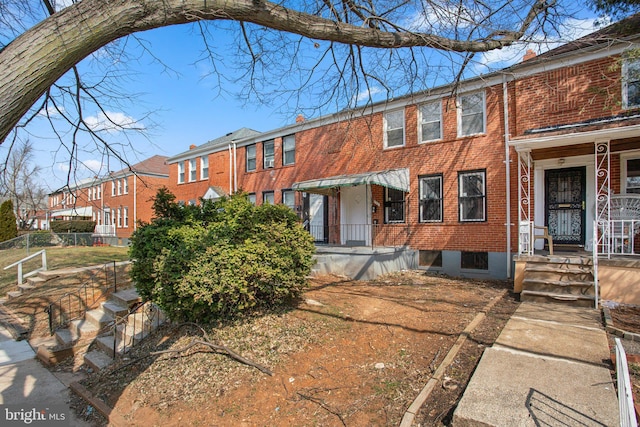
point(528, 55)
point(192, 146)
point(300, 118)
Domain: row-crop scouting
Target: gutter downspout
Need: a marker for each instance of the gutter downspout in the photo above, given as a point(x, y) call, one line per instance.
point(235, 167)
point(135, 202)
point(507, 161)
point(230, 170)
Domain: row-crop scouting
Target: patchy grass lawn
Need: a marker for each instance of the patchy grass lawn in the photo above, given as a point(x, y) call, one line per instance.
point(57, 258)
point(31, 307)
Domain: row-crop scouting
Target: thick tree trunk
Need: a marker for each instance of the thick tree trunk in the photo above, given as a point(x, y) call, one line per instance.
point(34, 61)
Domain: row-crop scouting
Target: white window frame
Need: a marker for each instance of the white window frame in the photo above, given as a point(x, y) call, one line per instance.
point(193, 175)
point(266, 194)
point(180, 172)
point(463, 195)
point(125, 185)
point(113, 188)
point(204, 167)
point(291, 139)
point(268, 162)
point(387, 129)
point(388, 206)
point(627, 64)
point(254, 157)
point(462, 115)
point(119, 215)
point(125, 214)
point(292, 194)
point(99, 192)
point(119, 186)
point(421, 121)
point(624, 158)
point(421, 178)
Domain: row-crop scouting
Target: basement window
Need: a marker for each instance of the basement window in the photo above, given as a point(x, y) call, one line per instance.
point(474, 260)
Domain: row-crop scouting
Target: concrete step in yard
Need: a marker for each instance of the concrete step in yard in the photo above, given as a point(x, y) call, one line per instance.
point(26, 288)
point(114, 310)
point(564, 287)
point(559, 279)
point(36, 280)
point(97, 360)
point(125, 297)
point(98, 317)
point(546, 297)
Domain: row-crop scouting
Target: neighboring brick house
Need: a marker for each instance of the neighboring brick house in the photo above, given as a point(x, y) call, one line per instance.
point(429, 171)
point(116, 202)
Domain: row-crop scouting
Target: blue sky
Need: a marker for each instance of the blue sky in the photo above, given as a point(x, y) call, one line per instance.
point(187, 107)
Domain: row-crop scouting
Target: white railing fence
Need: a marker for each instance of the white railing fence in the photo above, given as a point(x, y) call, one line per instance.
point(625, 396)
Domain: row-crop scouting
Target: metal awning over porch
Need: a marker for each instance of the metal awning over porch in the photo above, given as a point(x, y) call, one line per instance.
point(86, 211)
point(397, 179)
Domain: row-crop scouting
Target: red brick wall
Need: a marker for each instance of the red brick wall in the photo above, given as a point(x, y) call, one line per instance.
point(567, 95)
point(356, 146)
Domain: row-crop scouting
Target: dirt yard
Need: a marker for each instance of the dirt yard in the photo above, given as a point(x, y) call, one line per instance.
point(350, 354)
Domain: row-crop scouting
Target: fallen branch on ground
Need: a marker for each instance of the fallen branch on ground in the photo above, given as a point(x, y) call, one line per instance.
point(220, 349)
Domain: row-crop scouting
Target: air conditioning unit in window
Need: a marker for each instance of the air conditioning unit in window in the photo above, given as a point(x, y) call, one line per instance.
point(268, 163)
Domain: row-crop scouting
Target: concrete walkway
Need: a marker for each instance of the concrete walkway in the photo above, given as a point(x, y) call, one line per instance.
point(548, 367)
point(28, 388)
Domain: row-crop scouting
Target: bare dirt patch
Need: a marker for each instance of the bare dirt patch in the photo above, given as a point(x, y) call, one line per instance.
point(352, 353)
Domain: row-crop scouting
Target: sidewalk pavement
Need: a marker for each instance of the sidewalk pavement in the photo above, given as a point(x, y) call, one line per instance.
point(549, 366)
point(27, 386)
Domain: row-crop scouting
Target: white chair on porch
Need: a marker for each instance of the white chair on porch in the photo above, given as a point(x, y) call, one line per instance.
point(529, 227)
point(624, 213)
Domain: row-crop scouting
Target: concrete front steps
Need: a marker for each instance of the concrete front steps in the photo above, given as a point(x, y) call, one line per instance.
point(81, 333)
point(31, 283)
point(566, 279)
point(126, 334)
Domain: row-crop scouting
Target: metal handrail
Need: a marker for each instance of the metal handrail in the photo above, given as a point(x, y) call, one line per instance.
point(135, 326)
point(21, 276)
point(64, 304)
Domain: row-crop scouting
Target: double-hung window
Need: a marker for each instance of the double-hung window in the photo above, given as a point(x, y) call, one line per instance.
point(631, 83)
point(430, 198)
point(119, 183)
point(472, 196)
point(251, 157)
point(632, 172)
point(267, 197)
point(268, 154)
point(125, 212)
point(289, 150)
point(251, 197)
point(394, 129)
point(393, 205)
point(289, 198)
point(113, 188)
point(204, 167)
point(125, 185)
point(431, 121)
point(471, 114)
point(181, 173)
point(192, 170)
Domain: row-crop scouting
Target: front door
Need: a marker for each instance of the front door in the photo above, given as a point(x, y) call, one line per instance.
point(315, 216)
point(565, 203)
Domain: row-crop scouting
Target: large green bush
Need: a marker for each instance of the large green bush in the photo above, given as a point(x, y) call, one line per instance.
point(73, 226)
point(8, 225)
point(220, 259)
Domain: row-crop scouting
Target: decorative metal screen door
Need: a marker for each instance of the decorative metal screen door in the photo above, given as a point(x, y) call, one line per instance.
point(565, 196)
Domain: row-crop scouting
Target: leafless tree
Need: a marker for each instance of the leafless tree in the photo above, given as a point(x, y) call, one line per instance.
point(19, 182)
point(337, 48)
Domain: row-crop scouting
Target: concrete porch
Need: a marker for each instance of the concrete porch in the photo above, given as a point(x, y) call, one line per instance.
point(361, 262)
